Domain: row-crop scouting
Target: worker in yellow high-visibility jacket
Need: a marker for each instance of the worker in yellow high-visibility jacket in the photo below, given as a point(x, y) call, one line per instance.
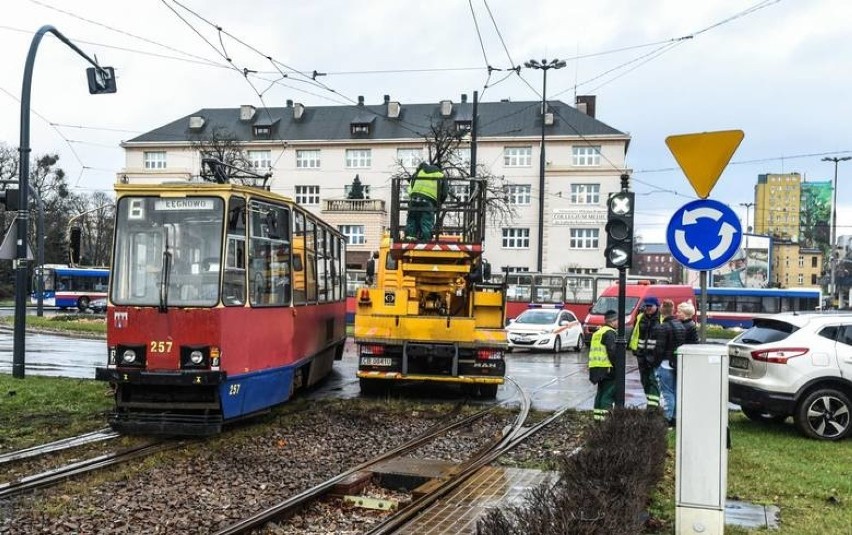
point(601, 358)
point(425, 192)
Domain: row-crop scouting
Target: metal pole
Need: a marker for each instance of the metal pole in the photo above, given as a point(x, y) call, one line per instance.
point(540, 258)
point(621, 342)
point(702, 307)
point(833, 230)
point(20, 263)
point(40, 254)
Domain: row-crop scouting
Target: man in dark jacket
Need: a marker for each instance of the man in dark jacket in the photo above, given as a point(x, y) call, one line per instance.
point(670, 336)
point(642, 343)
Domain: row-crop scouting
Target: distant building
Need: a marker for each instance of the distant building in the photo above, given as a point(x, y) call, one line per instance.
point(796, 266)
point(776, 205)
point(313, 154)
point(655, 260)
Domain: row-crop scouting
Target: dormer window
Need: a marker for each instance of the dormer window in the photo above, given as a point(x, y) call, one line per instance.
point(362, 124)
point(262, 132)
point(359, 129)
point(464, 126)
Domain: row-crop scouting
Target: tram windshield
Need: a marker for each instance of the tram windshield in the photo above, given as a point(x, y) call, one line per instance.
point(168, 251)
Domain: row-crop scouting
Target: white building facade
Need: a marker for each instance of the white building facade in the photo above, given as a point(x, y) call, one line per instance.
point(314, 154)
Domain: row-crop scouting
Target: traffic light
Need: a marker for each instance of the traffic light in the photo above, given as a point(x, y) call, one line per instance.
point(619, 229)
point(76, 239)
point(10, 198)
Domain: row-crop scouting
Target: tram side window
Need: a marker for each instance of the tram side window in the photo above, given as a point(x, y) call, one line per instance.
point(234, 282)
point(341, 266)
point(299, 293)
point(334, 268)
point(269, 255)
point(311, 259)
point(322, 264)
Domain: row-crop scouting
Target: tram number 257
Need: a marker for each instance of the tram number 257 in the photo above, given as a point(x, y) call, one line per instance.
point(160, 346)
point(234, 389)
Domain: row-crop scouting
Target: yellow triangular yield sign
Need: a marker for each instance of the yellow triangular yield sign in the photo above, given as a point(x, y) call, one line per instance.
point(704, 156)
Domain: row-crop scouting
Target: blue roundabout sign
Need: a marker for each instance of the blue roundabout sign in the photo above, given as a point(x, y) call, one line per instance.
point(704, 234)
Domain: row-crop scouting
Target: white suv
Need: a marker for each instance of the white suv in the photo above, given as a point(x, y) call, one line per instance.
point(799, 365)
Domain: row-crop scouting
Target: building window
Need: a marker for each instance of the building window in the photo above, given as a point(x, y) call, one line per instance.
point(461, 157)
point(813, 279)
point(307, 195)
point(517, 156)
point(359, 129)
point(155, 159)
point(801, 261)
point(358, 158)
point(460, 192)
point(348, 188)
point(409, 158)
point(814, 262)
point(801, 279)
point(307, 159)
point(354, 234)
point(585, 193)
point(262, 132)
point(587, 155)
point(259, 159)
point(516, 238)
point(519, 193)
point(584, 238)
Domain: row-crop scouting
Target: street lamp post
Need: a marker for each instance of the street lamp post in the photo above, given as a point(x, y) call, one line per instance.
point(748, 206)
point(544, 65)
point(833, 234)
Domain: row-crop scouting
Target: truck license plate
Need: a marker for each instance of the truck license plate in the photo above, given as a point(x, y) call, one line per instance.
point(376, 361)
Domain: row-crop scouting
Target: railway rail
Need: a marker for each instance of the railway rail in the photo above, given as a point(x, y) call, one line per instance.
point(295, 503)
point(51, 477)
point(59, 445)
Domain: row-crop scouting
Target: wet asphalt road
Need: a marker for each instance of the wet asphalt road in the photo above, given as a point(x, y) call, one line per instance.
point(553, 381)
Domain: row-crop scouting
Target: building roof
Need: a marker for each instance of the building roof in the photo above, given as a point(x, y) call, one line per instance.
point(496, 119)
point(656, 248)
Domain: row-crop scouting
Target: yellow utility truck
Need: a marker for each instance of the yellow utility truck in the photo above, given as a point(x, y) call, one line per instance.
point(431, 313)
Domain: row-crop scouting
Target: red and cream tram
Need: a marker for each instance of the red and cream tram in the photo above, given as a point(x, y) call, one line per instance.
point(224, 299)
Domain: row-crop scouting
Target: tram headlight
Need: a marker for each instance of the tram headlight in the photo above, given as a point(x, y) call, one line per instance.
point(196, 357)
point(129, 356)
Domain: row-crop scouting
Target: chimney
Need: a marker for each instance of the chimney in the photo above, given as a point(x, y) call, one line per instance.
point(586, 104)
point(289, 103)
point(446, 108)
point(393, 110)
point(196, 122)
point(360, 100)
point(548, 118)
point(387, 99)
point(464, 98)
point(298, 111)
point(246, 112)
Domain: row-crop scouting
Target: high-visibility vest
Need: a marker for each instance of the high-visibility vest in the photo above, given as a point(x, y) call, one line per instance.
point(597, 351)
point(647, 344)
point(425, 184)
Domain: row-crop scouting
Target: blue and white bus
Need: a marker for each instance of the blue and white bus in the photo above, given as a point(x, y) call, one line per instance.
point(71, 287)
point(737, 307)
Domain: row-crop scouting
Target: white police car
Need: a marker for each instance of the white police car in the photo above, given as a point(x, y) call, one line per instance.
point(540, 329)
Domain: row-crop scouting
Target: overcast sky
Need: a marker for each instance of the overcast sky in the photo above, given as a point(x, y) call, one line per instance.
point(778, 70)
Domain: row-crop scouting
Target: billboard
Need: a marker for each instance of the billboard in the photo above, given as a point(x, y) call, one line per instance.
point(815, 215)
point(749, 267)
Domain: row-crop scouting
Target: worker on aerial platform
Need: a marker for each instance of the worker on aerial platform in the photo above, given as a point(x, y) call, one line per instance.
point(425, 192)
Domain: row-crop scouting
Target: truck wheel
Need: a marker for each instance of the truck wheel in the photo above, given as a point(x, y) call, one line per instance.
point(372, 387)
point(488, 391)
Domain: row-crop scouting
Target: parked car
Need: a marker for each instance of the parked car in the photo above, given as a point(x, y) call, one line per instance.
point(545, 328)
point(799, 365)
point(98, 306)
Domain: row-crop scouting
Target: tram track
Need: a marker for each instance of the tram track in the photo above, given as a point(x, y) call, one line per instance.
point(68, 471)
point(301, 500)
point(100, 435)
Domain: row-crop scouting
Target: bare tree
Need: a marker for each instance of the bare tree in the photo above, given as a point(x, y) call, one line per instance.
point(444, 142)
point(222, 144)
